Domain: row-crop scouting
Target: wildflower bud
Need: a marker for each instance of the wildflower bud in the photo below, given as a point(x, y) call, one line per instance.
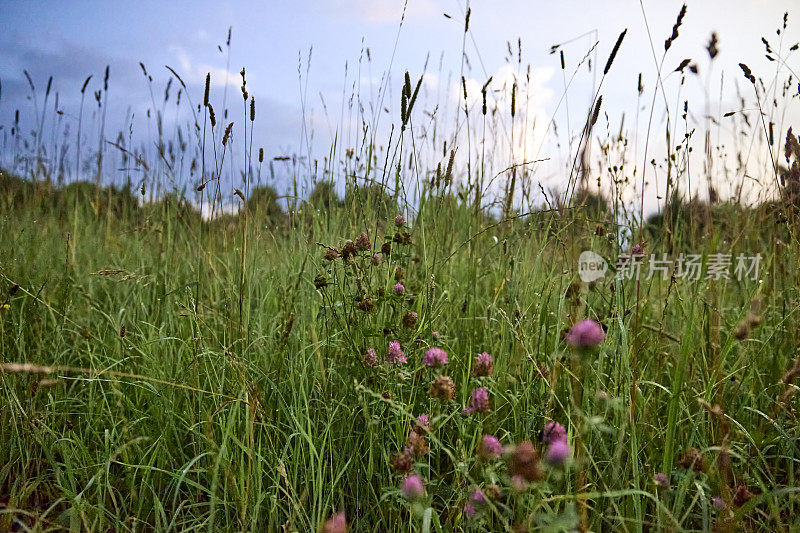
point(692, 459)
point(484, 365)
point(398, 288)
point(435, 357)
point(742, 495)
point(366, 305)
point(399, 220)
point(336, 524)
point(518, 483)
point(362, 242)
point(412, 488)
point(375, 259)
point(558, 453)
point(479, 402)
point(476, 502)
point(386, 248)
point(416, 443)
point(661, 480)
point(492, 492)
point(489, 448)
point(331, 254)
point(370, 357)
point(348, 250)
point(395, 354)
point(424, 422)
point(469, 510)
point(443, 388)
point(403, 462)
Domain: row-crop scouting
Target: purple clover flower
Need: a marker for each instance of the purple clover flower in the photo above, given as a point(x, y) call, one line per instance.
point(370, 357)
point(490, 448)
point(558, 453)
point(483, 366)
point(395, 354)
point(586, 334)
point(424, 422)
point(435, 357)
point(335, 524)
point(553, 431)
point(412, 487)
point(479, 402)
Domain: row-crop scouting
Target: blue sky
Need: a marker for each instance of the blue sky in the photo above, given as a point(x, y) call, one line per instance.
point(71, 40)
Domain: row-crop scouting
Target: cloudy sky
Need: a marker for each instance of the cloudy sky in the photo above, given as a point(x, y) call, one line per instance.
point(274, 40)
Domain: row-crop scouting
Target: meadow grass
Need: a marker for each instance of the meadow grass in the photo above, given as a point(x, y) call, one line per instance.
point(162, 411)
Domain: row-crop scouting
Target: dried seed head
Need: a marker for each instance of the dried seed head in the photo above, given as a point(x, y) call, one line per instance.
point(613, 51)
point(742, 495)
point(403, 462)
point(349, 250)
point(524, 462)
point(331, 254)
point(674, 35)
point(416, 443)
point(226, 137)
point(596, 110)
point(712, 46)
point(443, 388)
point(410, 319)
point(211, 116)
point(747, 73)
point(692, 459)
point(362, 242)
point(366, 305)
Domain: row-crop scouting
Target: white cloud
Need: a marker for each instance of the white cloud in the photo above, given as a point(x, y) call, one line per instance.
point(382, 11)
point(195, 73)
point(530, 102)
